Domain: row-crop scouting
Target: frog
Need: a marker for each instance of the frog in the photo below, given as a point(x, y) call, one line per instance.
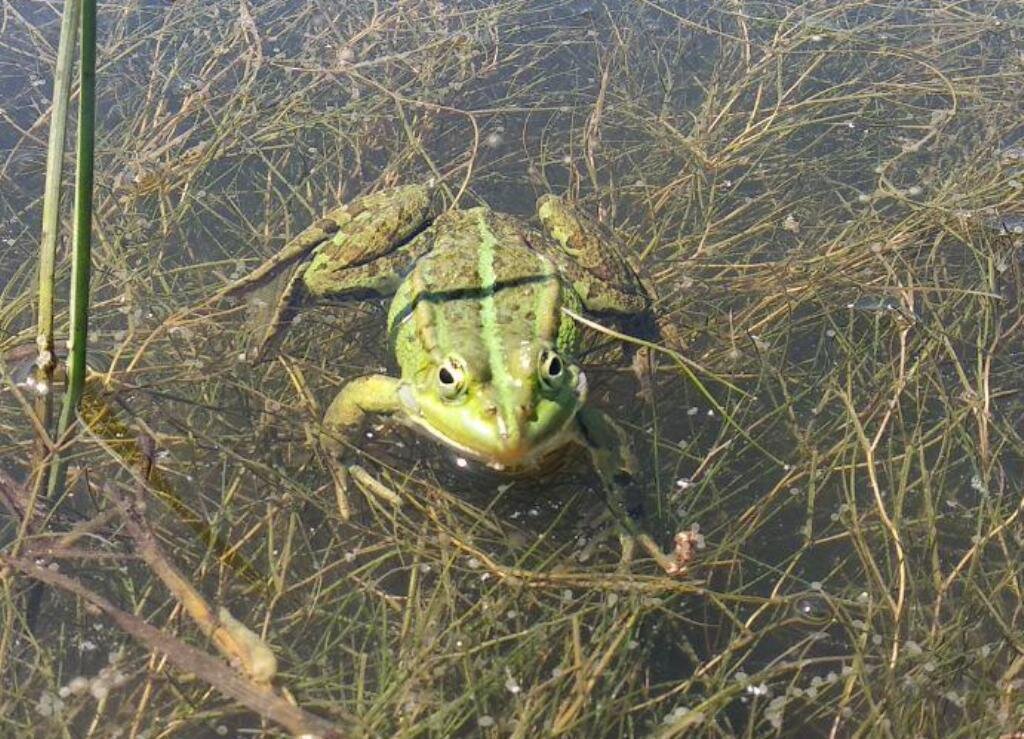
point(481, 324)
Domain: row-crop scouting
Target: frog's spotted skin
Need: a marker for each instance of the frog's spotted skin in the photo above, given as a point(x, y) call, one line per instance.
point(484, 304)
point(476, 325)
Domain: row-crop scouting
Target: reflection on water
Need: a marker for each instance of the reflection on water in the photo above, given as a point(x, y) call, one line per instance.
point(825, 199)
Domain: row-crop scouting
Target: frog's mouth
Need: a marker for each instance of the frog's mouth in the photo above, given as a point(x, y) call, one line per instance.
point(513, 460)
point(487, 439)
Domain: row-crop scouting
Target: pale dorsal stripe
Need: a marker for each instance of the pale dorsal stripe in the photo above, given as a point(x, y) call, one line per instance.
point(493, 337)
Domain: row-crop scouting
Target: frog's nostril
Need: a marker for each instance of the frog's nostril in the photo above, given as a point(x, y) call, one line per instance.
point(526, 413)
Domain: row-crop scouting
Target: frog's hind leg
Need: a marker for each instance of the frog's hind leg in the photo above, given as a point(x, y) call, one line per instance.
point(295, 251)
point(356, 232)
point(379, 277)
point(593, 259)
point(353, 248)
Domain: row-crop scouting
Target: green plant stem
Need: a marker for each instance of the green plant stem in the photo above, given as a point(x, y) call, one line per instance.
point(82, 243)
point(51, 216)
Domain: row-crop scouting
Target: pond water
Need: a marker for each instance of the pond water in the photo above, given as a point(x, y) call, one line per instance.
point(822, 199)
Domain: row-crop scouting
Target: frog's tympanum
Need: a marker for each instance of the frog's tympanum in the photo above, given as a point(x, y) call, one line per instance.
point(476, 322)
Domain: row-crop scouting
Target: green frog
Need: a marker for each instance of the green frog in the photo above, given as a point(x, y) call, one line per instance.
point(479, 323)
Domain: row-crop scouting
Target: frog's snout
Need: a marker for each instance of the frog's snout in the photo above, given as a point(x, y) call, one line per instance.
point(512, 436)
point(505, 431)
point(507, 438)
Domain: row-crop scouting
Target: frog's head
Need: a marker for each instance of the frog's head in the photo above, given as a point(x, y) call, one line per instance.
point(510, 414)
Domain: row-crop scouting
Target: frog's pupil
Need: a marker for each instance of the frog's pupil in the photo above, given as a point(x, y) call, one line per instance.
point(555, 367)
point(446, 376)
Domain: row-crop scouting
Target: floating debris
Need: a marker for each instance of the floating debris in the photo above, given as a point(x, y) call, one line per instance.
point(1013, 154)
point(874, 303)
point(812, 608)
point(686, 543)
point(49, 705)
point(1007, 224)
point(775, 710)
point(76, 686)
point(693, 718)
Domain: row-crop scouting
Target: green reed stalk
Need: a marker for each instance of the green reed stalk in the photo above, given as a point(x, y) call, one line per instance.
point(51, 209)
point(82, 239)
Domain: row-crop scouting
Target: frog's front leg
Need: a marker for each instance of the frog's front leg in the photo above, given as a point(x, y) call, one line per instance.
point(615, 463)
point(370, 394)
point(608, 445)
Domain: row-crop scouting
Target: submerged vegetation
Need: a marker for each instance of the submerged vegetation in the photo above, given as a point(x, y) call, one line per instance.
point(826, 198)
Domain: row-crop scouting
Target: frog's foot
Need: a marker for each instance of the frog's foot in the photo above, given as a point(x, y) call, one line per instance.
point(629, 534)
point(290, 254)
point(644, 365)
point(600, 531)
point(652, 336)
point(363, 395)
point(267, 323)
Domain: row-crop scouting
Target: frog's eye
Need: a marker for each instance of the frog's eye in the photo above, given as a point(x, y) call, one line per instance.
point(552, 369)
point(451, 380)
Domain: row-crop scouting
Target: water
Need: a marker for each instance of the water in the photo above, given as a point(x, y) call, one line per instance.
point(822, 197)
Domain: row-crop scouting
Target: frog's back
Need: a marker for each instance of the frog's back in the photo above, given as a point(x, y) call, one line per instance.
point(484, 291)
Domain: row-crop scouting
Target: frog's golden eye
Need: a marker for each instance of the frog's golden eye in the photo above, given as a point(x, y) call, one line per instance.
point(451, 380)
point(552, 369)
